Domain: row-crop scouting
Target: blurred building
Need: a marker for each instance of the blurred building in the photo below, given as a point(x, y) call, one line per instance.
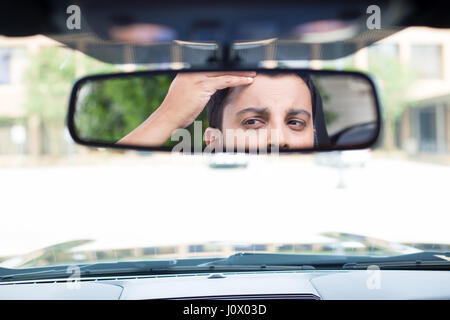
point(424, 126)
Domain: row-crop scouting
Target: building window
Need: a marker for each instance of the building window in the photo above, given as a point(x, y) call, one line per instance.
point(251, 247)
point(196, 248)
point(427, 61)
point(427, 127)
point(5, 57)
point(379, 52)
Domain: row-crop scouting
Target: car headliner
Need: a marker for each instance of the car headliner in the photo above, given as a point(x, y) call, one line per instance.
point(220, 22)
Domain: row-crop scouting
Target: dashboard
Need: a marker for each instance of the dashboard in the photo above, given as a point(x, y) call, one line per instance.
point(317, 284)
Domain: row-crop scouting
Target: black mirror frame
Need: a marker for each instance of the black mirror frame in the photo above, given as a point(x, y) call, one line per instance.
point(79, 83)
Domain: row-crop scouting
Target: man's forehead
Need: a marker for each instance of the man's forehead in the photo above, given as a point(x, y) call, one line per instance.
point(267, 90)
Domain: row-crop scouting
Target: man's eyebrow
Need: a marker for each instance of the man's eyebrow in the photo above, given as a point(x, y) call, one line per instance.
point(261, 111)
point(294, 112)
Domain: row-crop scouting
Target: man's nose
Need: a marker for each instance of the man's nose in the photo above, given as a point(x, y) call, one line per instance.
point(277, 137)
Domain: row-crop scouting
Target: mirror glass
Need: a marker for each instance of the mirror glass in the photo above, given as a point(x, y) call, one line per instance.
point(226, 111)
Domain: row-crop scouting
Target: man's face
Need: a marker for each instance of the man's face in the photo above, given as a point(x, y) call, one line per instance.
point(273, 110)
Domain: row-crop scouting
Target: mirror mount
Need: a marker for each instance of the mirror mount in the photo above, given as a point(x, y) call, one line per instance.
point(224, 57)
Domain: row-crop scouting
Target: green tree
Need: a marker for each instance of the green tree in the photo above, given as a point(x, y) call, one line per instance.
point(48, 79)
point(394, 80)
point(52, 71)
point(109, 109)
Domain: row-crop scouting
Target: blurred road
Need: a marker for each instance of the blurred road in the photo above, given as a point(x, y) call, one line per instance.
point(280, 200)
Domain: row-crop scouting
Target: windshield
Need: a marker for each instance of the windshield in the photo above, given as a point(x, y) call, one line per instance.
point(66, 204)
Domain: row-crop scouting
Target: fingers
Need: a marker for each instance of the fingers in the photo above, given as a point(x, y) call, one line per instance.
point(231, 73)
point(223, 82)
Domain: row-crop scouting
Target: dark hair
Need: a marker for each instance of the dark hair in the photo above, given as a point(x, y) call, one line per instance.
point(216, 104)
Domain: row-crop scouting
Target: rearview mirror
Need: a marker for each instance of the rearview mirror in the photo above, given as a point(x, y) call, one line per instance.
point(226, 111)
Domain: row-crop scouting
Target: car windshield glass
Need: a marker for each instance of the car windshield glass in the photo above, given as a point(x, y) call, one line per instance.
point(65, 204)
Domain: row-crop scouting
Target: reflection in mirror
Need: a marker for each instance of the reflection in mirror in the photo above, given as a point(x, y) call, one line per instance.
point(263, 111)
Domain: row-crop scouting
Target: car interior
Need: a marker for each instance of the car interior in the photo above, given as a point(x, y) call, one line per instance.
point(211, 134)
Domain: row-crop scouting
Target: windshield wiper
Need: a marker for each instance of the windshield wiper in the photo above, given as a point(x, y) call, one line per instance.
point(67, 271)
point(141, 268)
point(420, 260)
point(281, 259)
point(242, 262)
point(405, 265)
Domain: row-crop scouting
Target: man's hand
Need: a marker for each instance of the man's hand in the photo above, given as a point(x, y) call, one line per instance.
point(187, 97)
point(190, 92)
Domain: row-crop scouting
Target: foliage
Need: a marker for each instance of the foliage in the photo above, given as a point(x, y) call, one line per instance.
point(110, 109)
point(46, 84)
point(49, 77)
point(394, 79)
point(330, 116)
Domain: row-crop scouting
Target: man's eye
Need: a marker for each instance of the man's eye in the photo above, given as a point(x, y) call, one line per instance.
point(297, 124)
point(252, 123)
